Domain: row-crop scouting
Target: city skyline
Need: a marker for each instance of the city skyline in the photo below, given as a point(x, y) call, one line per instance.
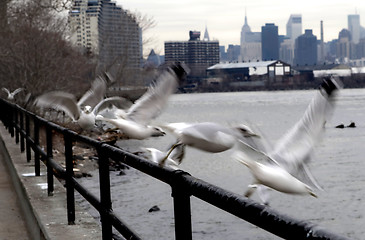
point(224, 20)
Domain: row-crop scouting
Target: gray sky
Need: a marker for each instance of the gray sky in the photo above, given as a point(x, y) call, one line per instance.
point(224, 19)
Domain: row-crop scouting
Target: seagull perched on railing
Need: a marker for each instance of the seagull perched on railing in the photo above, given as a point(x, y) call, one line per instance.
point(207, 136)
point(83, 111)
point(285, 167)
point(135, 121)
point(11, 95)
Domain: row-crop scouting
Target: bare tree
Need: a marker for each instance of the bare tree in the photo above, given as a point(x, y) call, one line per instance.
point(35, 55)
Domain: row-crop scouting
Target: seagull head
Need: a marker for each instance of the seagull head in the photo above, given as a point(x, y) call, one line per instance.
point(87, 109)
point(246, 131)
point(157, 131)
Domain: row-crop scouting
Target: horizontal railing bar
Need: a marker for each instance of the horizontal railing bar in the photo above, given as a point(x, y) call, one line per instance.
point(91, 198)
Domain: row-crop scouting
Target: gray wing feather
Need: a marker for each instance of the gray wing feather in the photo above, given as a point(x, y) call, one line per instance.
point(94, 95)
point(295, 148)
point(150, 105)
point(119, 102)
point(60, 101)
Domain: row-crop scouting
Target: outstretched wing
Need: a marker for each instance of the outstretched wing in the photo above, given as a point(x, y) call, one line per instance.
point(60, 101)
point(94, 95)
point(150, 105)
point(6, 90)
point(119, 102)
point(248, 153)
point(297, 144)
point(16, 91)
point(295, 148)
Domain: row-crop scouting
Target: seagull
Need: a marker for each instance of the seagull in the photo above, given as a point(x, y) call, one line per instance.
point(174, 159)
point(11, 95)
point(135, 121)
point(207, 136)
point(285, 167)
point(83, 111)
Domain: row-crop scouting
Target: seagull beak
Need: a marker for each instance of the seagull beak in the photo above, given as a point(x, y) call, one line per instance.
point(313, 194)
point(310, 191)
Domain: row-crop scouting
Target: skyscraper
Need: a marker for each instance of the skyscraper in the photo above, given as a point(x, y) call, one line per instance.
point(270, 42)
point(306, 49)
point(294, 26)
point(293, 30)
point(354, 27)
point(106, 30)
point(250, 43)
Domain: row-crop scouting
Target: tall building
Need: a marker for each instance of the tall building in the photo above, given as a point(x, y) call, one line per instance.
point(294, 26)
point(206, 34)
point(354, 27)
point(83, 22)
point(106, 30)
point(197, 55)
point(293, 30)
point(270, 42)
point(344, 46)
point(250, 43)
point(233, 52)
point(306, 49)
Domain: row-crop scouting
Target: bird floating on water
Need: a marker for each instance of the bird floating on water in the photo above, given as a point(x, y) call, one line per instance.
point(83, 111)
point(12, 94)
point(285, 167)
point(135, 121)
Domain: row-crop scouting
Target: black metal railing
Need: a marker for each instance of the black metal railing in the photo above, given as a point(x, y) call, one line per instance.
point(182, 183)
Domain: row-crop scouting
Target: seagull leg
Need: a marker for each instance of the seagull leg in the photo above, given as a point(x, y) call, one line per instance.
point(263, 193)
point(251, 189)
point(162, 162)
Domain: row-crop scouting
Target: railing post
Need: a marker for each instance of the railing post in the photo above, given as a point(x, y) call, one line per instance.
point(36, 143)
point(22, 148)
point(11, 123)
point(16, 121)
point(70, 188)
point(182, 208)
point(105, 196)
point(27, 134)
point(50, 184)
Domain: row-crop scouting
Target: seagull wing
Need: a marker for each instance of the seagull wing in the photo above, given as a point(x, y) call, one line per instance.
point(119, 102)
point(16, 91)
point(247, 153)
point(60, 101)
point(6, 90)
point(94, 95)
point(295, 147)
point(150, 105)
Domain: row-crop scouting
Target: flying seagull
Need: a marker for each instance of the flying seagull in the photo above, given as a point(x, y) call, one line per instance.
point(83, 111)
point(11, 95)
point(135, 121)
point(285, 167)
point(207, 136)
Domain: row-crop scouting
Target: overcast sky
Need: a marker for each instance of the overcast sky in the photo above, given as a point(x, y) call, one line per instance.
point(224, 19)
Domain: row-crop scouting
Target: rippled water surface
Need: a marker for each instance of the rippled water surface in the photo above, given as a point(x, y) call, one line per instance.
point(339, 167)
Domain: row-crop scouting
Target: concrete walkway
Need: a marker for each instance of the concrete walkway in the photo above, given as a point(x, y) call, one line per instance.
point(25, 204)
point(12, 222)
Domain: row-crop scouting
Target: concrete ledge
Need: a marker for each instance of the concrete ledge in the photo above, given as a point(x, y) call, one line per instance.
point(46, 216)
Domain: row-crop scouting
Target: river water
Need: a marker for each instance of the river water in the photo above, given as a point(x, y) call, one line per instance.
point(338, 166)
